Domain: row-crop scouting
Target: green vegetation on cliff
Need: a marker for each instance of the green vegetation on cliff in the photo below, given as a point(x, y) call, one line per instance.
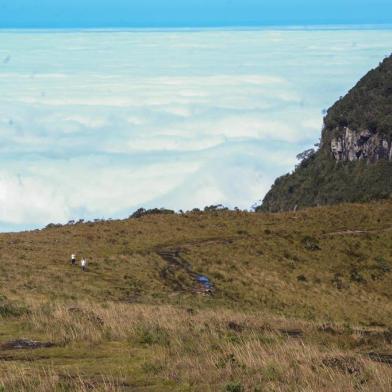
point(321, 180)
point(368, 105)
point(362, 169)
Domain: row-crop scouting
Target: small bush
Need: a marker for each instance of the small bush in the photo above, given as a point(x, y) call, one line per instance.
point(10, 309)
point(302, 278)
point(153, 335)
point(272, 372)
point(355, 276)
point(53, 225)
point(383, 265)
point(310, 243)
point(154, 211)
point(214, 208)
point(234, 387)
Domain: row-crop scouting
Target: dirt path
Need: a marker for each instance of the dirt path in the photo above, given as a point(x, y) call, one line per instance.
point(201, 284)
point(171, 253)
point(358, 232)
point(170, 246)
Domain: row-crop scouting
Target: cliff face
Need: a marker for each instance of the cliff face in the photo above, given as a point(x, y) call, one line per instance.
point(360, 145)
point(354, 162)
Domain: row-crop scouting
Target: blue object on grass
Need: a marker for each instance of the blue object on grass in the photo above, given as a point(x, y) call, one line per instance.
point(203, 280)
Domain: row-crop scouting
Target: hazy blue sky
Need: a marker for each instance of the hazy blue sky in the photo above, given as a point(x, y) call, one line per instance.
point(174, 13)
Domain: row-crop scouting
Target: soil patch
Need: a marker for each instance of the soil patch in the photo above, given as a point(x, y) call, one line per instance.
point(176, 262)
point(20, 344)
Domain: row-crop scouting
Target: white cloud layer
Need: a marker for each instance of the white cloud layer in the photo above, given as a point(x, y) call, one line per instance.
point(97, 124)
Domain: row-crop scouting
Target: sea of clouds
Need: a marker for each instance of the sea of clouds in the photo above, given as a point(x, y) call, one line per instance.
point(97, 124)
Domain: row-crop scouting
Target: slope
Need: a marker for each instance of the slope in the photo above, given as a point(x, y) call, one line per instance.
point(310, 287)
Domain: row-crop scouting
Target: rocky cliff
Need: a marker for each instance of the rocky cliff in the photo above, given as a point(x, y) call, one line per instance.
point(354, 161)
point(356, 145)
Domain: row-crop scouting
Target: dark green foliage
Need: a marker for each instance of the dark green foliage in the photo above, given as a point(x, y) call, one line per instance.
point(53, 225)
point(380, 269)
point(310, 243)
point(10, 309)
point(383, 265)
point(234, 387)
point(356, 276)
point(152, 335)
point(213, 208)
point(306, 157)
point(319, 179)
point(155, 211)
point(329, 182)
point(368, 105)
point(163, 211)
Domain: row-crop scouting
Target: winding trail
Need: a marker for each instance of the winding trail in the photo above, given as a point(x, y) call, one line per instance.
point(357, 232)
point(201, 284)
point(171, 254)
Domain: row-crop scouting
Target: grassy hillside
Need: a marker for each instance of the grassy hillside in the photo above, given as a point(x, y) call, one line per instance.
point(300, 301)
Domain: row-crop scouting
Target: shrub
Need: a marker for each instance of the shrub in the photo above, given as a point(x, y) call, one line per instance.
point(272, 372)
point(155, 211)
point(383, 265)
point(53, 225)
point(153, 335)
point(355, 276)
point(10, 309)
point(217, 207)
point(310, 243)
point(234, 387)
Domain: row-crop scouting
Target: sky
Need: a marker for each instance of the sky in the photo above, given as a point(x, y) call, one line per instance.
point(189, 13)
point(96, 124)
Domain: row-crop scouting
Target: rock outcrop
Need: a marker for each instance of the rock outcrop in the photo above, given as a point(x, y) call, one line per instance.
point(354, 161)
point(360, 145)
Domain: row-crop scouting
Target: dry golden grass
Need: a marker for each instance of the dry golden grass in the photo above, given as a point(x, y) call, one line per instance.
point(20, 379)
point(300, 301)
point(187, 350)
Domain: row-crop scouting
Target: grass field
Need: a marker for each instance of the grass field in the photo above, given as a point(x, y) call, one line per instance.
point(300, 302)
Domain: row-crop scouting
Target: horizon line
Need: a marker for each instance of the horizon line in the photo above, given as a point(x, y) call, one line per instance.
point(287, 27)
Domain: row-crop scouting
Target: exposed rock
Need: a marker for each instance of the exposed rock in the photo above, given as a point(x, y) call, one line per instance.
point(354, 159)
point(347, 365)
point(25, 344)
point(353, 146)
point(234, 326)
point(382, 358)
point(292, 333)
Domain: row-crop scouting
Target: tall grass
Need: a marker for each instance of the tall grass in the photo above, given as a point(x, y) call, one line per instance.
point(199, 350)
point(300, 300)
point(21, 379)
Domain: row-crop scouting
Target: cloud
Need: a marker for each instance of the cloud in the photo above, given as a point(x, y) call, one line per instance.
point(226, 177)
point(29, 200)
point(99, 124)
